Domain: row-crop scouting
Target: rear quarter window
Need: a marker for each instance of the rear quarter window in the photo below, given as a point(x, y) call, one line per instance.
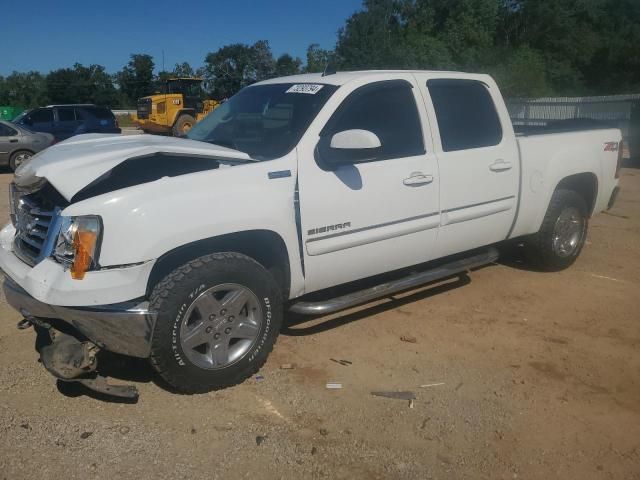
point(99, 113)
point(467, 117)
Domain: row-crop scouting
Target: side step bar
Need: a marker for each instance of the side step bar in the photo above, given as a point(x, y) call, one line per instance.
point(414, 280)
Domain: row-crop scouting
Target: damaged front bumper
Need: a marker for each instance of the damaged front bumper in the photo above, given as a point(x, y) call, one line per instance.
point(124, 328)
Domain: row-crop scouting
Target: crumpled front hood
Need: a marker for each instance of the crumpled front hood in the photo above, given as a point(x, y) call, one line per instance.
point(71, 165)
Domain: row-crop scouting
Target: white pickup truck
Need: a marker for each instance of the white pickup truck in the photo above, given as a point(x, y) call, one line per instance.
point(189, 251)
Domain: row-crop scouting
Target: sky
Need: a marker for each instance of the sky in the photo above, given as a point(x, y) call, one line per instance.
point(50, 34)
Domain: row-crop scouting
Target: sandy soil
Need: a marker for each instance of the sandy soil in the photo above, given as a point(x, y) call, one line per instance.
point(540, 378)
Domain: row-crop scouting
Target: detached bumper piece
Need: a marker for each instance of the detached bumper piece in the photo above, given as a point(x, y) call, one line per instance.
point(70, 358)
point(124, 328)
point(73, 336)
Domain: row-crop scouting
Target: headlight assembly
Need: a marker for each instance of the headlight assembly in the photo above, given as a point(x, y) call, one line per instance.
point(78, 244)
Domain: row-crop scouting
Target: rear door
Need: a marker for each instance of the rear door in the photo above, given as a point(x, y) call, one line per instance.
point(66, 122)
point(479, 162)
point(372, 216)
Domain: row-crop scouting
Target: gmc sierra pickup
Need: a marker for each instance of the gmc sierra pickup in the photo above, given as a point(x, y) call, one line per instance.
point(189, 251)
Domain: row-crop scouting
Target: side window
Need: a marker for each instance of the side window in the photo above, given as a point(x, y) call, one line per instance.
point(41, 116)
point(387, 109)
point(467, 116)
point(66, 115)
point(6, 131)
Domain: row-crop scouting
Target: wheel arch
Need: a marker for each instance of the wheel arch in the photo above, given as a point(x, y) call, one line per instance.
point(585, 184)
point(265, 246)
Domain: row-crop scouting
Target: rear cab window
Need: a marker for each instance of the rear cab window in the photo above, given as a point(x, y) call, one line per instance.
point(466, 114)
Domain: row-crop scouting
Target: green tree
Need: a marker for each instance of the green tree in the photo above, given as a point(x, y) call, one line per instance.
point(317, 58)
point(26, 89)
point(235, 66)
point(81, 84)
point(287, 65)
point(183, 70)
point(136, 78)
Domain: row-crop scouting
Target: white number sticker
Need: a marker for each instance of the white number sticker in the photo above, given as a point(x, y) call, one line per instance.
point(308, 88)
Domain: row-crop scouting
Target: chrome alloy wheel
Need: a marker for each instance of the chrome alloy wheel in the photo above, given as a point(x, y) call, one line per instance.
point(221, 326)
point(21, 158)
point(568, 232)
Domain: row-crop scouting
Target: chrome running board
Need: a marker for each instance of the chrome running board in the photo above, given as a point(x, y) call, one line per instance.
point(384, 289)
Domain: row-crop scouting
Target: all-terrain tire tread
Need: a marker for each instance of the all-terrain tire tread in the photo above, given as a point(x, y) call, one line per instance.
point(162, 291)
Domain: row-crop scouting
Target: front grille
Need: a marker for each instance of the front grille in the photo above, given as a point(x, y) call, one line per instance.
point(144, 108)
point(33, 215)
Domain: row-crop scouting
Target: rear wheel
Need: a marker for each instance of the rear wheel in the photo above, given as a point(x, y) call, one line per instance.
point(563, 232)
point(18, 158)
point(218, 319)
point(183, 125)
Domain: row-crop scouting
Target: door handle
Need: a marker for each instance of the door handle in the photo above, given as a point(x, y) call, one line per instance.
point(417, 179)
point(500, 166)
point(13, 140)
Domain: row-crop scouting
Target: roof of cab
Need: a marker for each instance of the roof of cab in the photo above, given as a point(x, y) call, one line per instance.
point(341, 78)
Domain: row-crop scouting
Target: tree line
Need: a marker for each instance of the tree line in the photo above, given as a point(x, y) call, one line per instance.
point(531, 47)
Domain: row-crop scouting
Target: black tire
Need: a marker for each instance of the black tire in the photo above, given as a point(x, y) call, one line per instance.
point(541, 250)
point(18, 157)
point(173, 298)
point(184, 123)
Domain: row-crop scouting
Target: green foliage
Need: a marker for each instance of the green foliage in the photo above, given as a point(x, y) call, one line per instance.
point(235, 66)
point(81, 84)
point(25, 90)
point(136, 78)
point(317, 59)
point(534, 47)
point(287, 65)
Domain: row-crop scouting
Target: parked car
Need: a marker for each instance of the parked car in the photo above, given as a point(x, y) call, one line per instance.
point(64, 121)
point(189, 251)
point(18, 143)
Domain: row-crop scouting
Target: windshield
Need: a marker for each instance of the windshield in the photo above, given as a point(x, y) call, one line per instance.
point(264, 121)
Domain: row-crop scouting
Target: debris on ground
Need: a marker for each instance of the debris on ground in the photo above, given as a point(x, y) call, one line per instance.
point(334, 386)
point(259, 378)
point(429, 385)
point(344, 363)
point(411, 403)
point(260, 439)
point(85, 435)
point(408, 339)
point(287, 366)
point(395, 395)
point(324, 432)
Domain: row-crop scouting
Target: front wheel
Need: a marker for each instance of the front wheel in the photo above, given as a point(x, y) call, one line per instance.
point(563, 232)
point(183, 125)
point(218, 319)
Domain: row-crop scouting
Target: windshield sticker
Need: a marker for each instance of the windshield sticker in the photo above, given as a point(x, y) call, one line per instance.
point(308, 88)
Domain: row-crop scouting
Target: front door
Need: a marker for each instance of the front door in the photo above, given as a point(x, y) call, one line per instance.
point(380, 212)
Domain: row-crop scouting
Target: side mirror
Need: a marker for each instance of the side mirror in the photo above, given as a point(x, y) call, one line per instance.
point(347, 148)
point(355, 140)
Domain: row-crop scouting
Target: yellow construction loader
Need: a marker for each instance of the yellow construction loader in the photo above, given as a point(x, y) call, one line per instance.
point(174, 110)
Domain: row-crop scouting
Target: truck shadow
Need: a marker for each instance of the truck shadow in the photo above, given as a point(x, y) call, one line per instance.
point(292, 322)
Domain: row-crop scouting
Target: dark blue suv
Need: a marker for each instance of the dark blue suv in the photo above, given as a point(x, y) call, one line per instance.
point(64, 121)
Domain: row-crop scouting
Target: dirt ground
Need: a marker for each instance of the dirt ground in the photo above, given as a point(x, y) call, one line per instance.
point(539, 374)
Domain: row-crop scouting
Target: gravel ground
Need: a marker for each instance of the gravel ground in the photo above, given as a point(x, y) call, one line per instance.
point(538, 376)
